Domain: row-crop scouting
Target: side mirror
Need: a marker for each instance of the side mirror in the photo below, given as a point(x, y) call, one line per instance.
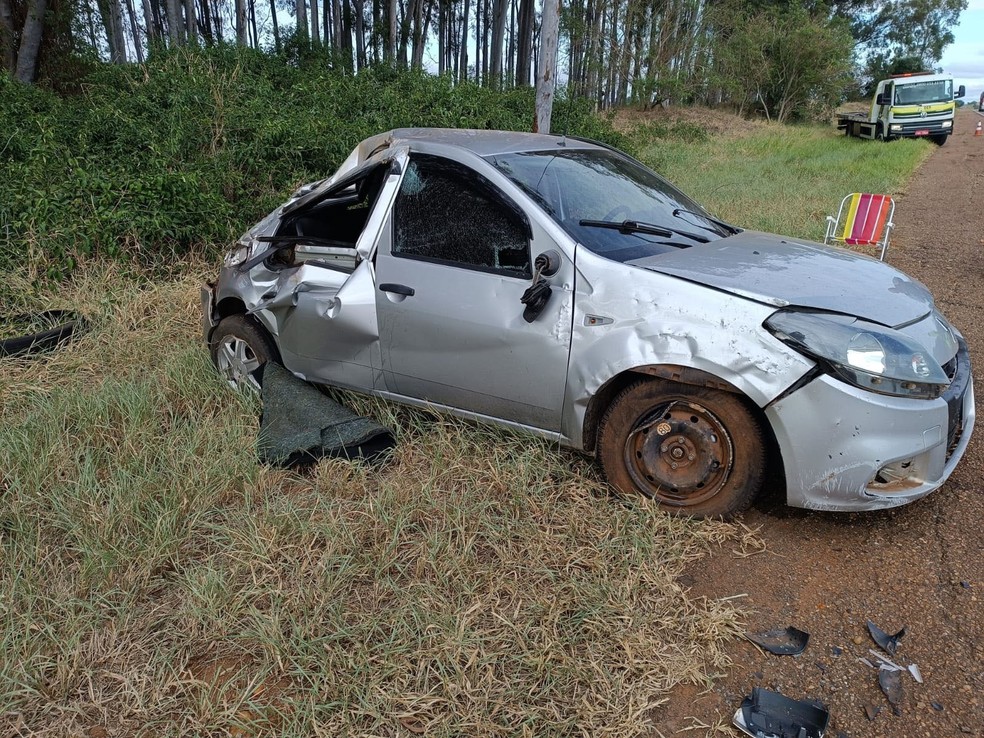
point(961, 91)
point(883, 98)
point(538, 294)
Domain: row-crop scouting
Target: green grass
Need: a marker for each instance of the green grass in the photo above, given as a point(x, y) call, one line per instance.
point(784, 179)
point(155, 580)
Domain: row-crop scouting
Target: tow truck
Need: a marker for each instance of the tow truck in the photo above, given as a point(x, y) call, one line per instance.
point(911, 105)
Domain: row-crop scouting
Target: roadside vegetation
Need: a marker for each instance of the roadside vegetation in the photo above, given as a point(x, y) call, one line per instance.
point(154, 580)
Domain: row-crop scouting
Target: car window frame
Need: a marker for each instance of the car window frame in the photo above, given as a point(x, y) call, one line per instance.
point(488, 189)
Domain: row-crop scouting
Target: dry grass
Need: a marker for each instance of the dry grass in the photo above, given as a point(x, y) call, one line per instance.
point(155, 581)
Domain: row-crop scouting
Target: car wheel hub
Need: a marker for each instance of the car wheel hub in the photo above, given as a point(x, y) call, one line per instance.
point(237, 361)
point(681, 454)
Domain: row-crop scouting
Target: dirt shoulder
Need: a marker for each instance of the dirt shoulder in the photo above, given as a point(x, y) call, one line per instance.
point(919, 566)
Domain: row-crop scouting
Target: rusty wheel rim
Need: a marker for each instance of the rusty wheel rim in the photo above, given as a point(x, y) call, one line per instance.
point(681, 454)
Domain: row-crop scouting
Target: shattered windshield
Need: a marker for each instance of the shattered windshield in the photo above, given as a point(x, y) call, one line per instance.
point(919, 93)
point(612, 205)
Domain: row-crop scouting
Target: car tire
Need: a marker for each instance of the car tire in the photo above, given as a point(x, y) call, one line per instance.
point(238, 348)
point(697, 451)
point(940, 139)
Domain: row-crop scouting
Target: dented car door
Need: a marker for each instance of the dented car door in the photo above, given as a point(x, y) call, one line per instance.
point(452, 266)
point(330, 330)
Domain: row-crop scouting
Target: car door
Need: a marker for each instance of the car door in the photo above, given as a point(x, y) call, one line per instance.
point(451, 268)
point(326, 300)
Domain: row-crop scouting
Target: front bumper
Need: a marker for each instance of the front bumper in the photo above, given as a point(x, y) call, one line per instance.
point(846, 449)
point(920, 127)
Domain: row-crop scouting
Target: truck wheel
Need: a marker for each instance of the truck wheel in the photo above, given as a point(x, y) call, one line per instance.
point(939, 140)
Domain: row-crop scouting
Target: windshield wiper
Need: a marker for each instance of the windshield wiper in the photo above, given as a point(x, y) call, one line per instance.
point(635, 226)
point(726, 226)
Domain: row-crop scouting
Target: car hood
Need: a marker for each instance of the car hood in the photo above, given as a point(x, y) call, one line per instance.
point(782, 271)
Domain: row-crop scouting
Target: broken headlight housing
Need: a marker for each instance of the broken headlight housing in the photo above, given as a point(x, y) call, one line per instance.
point(867, 355)
point(238, 255)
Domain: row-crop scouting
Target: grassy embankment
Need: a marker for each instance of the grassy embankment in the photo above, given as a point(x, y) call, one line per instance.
point(155, 581)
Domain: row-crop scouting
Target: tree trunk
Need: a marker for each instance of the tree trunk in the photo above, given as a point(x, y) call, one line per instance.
point(336, 24)
point(420, 35)
point(27, 56)
point(191, 21)
point(7, 36)
point(112, 18)
point(360, 35)
point(463, 51)
point(149, 25)
point(524, 47)
point(392, 21)
point(252, 24)
point(549, 33)
point(135, 31)
point(206, 25)
point(174, 21)
point(300, 10)
point(478, 41)
point(315, 29)
point(441, 38)
point(498, 31)
point(276, 25)
point(346, 41)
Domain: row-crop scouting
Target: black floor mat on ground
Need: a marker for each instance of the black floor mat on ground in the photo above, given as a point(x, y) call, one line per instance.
point(300, 425)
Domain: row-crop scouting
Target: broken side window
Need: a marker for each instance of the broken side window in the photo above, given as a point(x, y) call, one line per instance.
point(450, 214)
point(326, 231)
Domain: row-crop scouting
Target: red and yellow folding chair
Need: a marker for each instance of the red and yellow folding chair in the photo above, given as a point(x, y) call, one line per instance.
point(863, 220)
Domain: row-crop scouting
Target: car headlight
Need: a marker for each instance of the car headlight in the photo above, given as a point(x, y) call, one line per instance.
point(864, 354)
point(237, 256)
point(896, 126)
point(947, 123)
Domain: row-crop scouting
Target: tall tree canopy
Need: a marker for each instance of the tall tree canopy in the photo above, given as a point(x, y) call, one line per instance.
point(780, 57)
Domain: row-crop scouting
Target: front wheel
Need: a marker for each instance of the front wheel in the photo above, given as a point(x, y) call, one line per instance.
point(940, 139)
point(238, 348)
point(697, 451)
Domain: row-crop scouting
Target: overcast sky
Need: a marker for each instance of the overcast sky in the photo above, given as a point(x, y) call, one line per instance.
point(964, 58)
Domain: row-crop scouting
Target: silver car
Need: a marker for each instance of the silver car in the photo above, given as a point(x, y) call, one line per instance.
point(558, 286)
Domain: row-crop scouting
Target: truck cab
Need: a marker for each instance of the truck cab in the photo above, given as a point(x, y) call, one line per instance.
point(914, 105)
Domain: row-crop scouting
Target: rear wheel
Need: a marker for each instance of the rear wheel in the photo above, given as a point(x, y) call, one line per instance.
point(238, 348)
point(697, 451)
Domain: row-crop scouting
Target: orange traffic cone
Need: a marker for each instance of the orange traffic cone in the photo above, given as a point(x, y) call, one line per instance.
point(978, 131)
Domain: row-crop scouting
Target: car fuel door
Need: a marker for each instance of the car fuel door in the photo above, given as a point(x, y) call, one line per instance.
point(453, 266)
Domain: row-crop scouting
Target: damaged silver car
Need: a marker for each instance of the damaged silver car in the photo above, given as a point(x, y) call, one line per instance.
point(558, 286)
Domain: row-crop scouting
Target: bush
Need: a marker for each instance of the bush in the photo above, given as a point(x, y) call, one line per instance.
point(153, 161)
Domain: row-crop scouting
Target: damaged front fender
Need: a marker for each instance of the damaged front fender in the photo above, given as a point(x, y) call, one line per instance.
point(677, 330)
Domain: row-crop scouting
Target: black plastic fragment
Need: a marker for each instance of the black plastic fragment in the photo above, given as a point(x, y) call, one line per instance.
point(889, 643)
point(890, 682)
point(777, 716)
point(836, 650)
point(936, 706)
point(787, 642)
point(64, 325)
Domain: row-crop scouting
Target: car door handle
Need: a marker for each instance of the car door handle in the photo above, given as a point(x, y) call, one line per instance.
point(399, 289)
